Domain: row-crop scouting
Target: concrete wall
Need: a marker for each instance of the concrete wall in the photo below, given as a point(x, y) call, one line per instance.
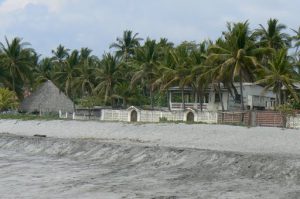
point(250, 118)
point(156, 116)
point(293, 122)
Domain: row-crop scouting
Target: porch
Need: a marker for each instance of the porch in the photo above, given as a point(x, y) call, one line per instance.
point(181, 106)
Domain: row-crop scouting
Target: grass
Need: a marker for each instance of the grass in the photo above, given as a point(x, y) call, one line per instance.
point(20, 116)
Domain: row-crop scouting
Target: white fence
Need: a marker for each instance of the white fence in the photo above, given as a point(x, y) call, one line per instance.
point(294, 122)
point(114, 115)
point(156, 116)
point(146, 115)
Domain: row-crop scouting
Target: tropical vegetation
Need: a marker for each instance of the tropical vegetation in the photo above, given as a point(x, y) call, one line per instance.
point(140, 71)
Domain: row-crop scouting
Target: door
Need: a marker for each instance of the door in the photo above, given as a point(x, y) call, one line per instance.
point(190, 117)
point(133, 116)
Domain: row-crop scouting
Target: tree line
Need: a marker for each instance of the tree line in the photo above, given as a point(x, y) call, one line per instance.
point(140, 71)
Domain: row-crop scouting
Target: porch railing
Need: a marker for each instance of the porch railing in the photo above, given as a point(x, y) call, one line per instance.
point(180, 106)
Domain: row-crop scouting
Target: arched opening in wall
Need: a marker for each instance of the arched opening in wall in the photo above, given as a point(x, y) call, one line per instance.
point(133, 116)
point(190, 117)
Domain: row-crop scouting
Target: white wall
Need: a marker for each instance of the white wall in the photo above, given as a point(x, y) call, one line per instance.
point(154, 116)
point(294, 122)
point(250, 91)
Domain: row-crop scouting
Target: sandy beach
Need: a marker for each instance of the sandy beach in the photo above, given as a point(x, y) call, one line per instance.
point(199, 136)
point(85, 159)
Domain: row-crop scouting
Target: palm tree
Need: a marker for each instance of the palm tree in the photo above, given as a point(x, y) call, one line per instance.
point(146, 62)
point(277, 74)
point(84, 81)
point(272, 36)
point(44, 70)
point(296, 56)
point(66, 74)
point(17, 58)
point(4, 77)
point(85, 54)
point(125, 46)
point(108, 74)
point(124, 92)
point(196, 78)
point(176, 67)
point(296, 38)
point(236, 55)
point(60, 54)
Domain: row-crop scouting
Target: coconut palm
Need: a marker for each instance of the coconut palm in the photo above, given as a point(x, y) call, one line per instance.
point(17, 58)
point(4, 76)
point(296, 38)
point(196, 79)
point(84, 80)
point(177, 66)
point(272, 35)
point(85, 53)
point(279, 73)
point(44, 70)
point(146, 61)
point(236, 55)
point(60, 53)
point(65, 75)
point(125, 46)
point(108, 74)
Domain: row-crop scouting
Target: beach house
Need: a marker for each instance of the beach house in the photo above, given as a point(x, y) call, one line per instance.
point(254, 96)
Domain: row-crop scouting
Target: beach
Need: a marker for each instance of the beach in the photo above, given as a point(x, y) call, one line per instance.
point(267, 140)
point(89, 159)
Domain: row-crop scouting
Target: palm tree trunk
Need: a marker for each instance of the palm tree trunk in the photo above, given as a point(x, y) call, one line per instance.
point(111, 98)
point(220, 96)
point(241, 90)
point(182, 98)
point(242, 96)
point(200, 94)
point(284, 97)
point(13, 80)
point(124, 103)
point(221, 100)
point(14, 84)
point(277, 100)
point(151, 99)
point(279, 96)
point(234, 90)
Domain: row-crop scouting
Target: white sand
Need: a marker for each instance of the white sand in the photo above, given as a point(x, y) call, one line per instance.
point(202, 136)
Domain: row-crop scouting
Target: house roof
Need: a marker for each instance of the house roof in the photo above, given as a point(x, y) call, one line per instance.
point(296, 86)
point(47, 98)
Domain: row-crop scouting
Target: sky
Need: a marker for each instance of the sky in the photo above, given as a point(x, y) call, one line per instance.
point(97, 23)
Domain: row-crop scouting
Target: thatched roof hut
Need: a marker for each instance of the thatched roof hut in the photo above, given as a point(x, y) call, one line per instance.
point(46, 99)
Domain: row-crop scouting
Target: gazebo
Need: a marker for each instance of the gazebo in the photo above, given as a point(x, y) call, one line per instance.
point(47, 99)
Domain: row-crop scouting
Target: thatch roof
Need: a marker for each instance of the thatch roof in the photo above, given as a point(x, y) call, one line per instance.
point(47, 98)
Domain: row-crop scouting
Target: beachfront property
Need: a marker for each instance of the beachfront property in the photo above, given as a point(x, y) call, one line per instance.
point(255, 98)
point(259, 106)
point(49, 99)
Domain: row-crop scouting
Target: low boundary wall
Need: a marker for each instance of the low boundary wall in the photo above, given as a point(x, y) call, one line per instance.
point(157, 116)
point(247, 118)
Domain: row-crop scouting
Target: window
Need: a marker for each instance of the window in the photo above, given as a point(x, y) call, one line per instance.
point(217, 98)
point(237, 99)
point(205, 98)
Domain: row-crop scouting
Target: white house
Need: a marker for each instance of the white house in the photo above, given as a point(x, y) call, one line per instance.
point(255, 98)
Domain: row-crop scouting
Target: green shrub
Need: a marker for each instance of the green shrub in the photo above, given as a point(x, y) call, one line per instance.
point(163, 119)
point(8, 100)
